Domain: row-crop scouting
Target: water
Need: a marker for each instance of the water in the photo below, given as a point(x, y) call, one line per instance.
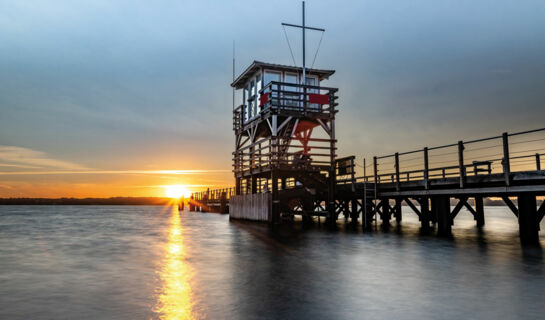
point(145, 262)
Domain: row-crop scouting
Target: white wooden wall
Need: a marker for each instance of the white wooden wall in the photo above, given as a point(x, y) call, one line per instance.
point(255, 207)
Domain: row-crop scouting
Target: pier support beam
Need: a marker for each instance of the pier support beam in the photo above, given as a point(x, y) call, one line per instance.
point(332, 219)
point(275, 206)
point(441, 206)
point(385, 214)
point(433, 212)
point(367, 214)
point(254, 184)
point(479, 211)
point(528, 220)
point(238, 190)
point(354, 214)
point(424, 213)
point(397, 210)
point(223, 203)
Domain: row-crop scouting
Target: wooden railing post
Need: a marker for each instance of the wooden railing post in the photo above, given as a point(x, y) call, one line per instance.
point(426, 169)
point(505, 160)
point(364, 171)
point(397, 170)
point(375, 168)
point(461, 163)
point(353, 173)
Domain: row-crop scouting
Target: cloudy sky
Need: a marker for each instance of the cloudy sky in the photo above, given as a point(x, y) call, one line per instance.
point(108, 98)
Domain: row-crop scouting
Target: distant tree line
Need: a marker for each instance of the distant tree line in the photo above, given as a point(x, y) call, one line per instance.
point(87, 201)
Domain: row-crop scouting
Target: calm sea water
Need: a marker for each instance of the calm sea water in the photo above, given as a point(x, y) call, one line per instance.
point(145, 262)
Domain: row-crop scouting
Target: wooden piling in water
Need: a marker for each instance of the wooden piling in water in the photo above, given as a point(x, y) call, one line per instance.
point(528, 220)
point(441, 206)
point(479, 211)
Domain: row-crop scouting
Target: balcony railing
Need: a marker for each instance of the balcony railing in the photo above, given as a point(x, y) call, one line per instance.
point(297, 97)
point(282, 96)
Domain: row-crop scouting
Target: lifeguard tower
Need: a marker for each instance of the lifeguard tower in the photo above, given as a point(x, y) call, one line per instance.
point(284, 158)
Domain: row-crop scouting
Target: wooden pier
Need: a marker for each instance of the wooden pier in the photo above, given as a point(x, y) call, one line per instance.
point(285, 164)
point(506, 167)
point(216, 200)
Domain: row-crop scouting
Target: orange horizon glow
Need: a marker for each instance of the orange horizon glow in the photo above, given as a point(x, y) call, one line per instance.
point(129, 184)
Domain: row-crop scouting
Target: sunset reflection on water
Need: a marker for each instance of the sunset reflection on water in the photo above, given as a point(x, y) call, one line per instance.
point(175, 299)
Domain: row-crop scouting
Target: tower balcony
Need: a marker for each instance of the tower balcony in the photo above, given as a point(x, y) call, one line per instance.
point(287, 99)
point(290, 97)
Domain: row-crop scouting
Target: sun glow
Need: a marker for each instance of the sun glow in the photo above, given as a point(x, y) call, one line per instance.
point(177, 191)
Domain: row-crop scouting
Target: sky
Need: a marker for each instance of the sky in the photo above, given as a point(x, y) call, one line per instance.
point(120, 98)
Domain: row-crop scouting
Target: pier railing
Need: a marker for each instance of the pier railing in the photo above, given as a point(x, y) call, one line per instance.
point(503, 154)
point(214, 194)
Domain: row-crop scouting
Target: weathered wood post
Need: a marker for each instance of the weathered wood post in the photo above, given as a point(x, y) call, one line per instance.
point(223, 203)
point(505, 161)
point(528, 221)
point(461, 165)
point(375, 169)
point(191, 203)
point(397, 209)
point(424, 213)
point(237, 187)
point(426, 169)
point(332, 219)
point(385, 216)
point(275, 205)
point(441, 206)
point(397, 170)
point(254, 184)
point(479, 210)
point(354, 210)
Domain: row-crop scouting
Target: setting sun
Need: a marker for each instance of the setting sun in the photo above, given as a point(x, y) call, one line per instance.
point(177, 191)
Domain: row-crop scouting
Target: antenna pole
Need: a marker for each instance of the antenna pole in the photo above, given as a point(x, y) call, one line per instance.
point(303, 27)
point(304, 68)
point(233, 74)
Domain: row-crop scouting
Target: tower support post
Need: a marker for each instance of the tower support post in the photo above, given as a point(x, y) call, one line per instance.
point(479, 210)
point(528, 221)
point(397, 210)
point(275, 205)
point(385, 216)
point(424, 213)
point(441, 206)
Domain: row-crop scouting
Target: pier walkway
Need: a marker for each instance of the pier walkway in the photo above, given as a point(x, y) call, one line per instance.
point(507, 166)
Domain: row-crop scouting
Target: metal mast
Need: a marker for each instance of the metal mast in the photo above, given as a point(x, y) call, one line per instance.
point(304, 55)
point(303, 27)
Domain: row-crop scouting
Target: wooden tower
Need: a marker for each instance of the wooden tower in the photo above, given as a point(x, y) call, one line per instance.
point(284, 158)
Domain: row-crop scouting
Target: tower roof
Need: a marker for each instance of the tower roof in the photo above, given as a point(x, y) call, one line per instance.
point(241, 80)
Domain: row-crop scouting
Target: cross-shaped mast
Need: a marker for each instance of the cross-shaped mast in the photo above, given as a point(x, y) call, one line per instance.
point(303, 27)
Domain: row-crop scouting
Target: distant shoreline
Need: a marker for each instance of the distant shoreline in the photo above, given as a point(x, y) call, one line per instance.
point(88, 201)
